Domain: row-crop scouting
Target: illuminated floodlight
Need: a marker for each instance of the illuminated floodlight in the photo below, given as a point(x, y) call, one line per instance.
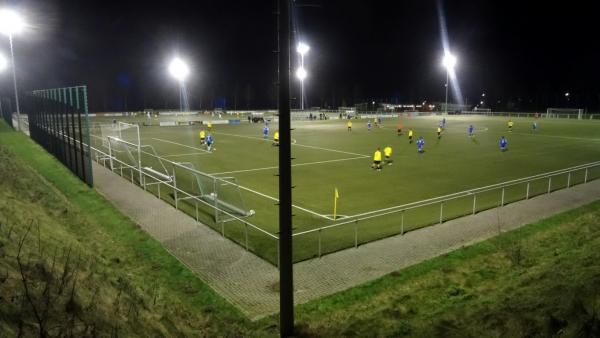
point(10, 22)
point(301, 74)
point(567, 94)
point(3, 63)
point(481, 103)
point(179, 69)
point(302, 48)
point(449, 61)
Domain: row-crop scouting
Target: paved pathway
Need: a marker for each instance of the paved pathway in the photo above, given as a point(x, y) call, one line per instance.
point(250, 283)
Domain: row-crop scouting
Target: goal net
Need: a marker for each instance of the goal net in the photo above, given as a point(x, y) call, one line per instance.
point(564, 113)
point(222, 194)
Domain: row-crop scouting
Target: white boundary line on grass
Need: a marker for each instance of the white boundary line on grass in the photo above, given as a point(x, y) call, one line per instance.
point(295, 144)
point(293, 165)
point(189, 154)
point(557, 136)
point(180, 144)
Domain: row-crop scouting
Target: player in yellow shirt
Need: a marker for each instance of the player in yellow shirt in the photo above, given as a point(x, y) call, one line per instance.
point(387, 151)
point(410, 135)
point(202, 135)
point(349, 124)
point(209, 125)
point(510, 125)
point(439, 132)
point(377, 160)
point(276, 139)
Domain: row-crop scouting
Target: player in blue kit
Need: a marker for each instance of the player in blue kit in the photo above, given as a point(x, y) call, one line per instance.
point(369, 125)
point(209, 141)
point(503, 143)
point(266, 131)
point(420, 144)
point(471, 130)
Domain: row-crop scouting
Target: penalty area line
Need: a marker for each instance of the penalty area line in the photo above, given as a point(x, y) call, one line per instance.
point(296, 144)
point(293, 165)
point(180, 144)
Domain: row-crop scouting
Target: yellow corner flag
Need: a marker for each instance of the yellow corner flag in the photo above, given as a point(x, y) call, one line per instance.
point(335, 198)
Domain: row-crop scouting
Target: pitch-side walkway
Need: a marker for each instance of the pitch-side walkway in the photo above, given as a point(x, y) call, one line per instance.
point(251, 284)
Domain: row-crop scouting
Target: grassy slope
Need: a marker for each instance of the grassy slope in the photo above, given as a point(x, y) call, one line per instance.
point(540, 280)
point(132, 271)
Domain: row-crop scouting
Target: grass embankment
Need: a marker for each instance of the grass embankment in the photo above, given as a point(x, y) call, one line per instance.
point(540, 280)
point(71, 264)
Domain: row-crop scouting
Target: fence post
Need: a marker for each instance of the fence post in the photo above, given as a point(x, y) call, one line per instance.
point(402, 223)
point(196, 211)
point(441, 212)
point(131, 172)
point(319, 243)
point(585, 177)
point(355, 234)
point(110, 155)
point(175, 188)
point(549, 183)
point(246, 234)
point(159, 190)
point(569, 179)
point(502, 201)
point(223, 229)
point(527, 194)
point(474, 203)
point(121, 170)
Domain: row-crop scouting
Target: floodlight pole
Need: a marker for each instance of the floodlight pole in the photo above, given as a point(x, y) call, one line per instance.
point(12, 55)
point(286, 267)
point(447, 80)
point(302, 83)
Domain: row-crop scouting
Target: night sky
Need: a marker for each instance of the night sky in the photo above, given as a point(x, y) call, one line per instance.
point(524, 54)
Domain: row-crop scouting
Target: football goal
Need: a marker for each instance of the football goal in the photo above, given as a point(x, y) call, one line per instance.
point(564, 113)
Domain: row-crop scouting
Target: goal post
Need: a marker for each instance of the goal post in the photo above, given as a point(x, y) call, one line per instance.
point(564, 112)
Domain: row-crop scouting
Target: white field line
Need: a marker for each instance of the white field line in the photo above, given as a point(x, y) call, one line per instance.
point(293, 165)
point(277, 200)
point(189, 154)
point(296, 144)
point(563, 137)
point(179, 144)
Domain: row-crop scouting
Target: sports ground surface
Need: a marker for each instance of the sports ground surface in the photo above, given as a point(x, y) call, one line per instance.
point(327, 156)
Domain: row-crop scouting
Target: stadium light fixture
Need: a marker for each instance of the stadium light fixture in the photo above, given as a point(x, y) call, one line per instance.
point(567, 94)
point(302, 48)
point(449, 62)
point(179, 69)
point(12, 23)
point(301, 74)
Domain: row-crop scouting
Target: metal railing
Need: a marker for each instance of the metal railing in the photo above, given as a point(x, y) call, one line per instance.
point(501, 188)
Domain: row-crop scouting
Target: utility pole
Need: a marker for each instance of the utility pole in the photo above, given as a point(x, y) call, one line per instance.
point(286, 267)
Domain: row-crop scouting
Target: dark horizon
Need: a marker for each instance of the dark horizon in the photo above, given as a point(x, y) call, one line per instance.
point(523, 56)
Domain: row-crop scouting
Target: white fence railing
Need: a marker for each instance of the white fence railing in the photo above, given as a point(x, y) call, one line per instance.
point(501, 188)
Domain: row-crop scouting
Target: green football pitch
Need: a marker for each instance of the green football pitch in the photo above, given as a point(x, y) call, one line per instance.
point(327, 156)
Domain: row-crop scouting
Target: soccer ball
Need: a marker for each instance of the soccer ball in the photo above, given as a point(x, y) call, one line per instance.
point(252, 212)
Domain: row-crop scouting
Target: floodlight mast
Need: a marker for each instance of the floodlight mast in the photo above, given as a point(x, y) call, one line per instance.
point(449, 61)
point(11, 23)
point(180, 71)
point(302, 49)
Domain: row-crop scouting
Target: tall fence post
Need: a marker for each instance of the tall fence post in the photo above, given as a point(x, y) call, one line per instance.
point(197, 212)
point(159, 190)
point(402, 223)
point(569, 179)
point(355, 234)
point(585, 176)
point(527, 194)
point(549, 184)
point(441, 212)
point(319, 243)
point(175, 189)
point(110, 158)
point(474, 203)
point(246, 234)
point(131, 172)
point(502, 200)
